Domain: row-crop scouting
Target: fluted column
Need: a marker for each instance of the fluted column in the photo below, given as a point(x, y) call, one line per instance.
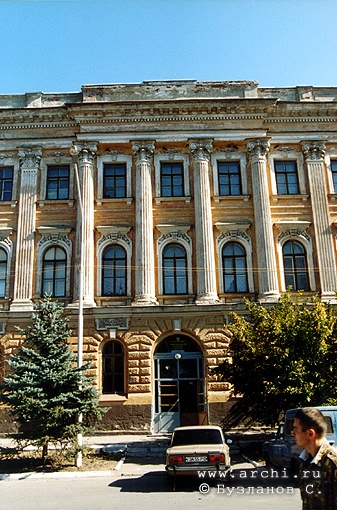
point(85, 154)
point(205, 258)
point(265, 249)
point(145, 274)
point(24, 263)
point(314, 156)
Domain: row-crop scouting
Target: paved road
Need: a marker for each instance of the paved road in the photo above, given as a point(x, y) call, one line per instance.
point(142, 488)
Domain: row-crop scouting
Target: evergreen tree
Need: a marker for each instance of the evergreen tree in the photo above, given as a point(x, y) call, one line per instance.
point(282, 357)
point(44, 389)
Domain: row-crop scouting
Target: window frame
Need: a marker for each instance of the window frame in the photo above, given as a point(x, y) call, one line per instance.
point(287, 154)
point(295, 232)
point(329, 160)
point(230, 157)
point(53, 236)
point(114, 177)
point(295, 271)
point(122, 374)
point(286, 174)
point(114, 235)
point(7, 246)
point(114, 267)
point(230, 184)
point(59, 166)
point(174, 268)
point(173, 187)
point(11, 160)
point(172, 158)
point(174, 234)
point(235, 272)
point(56, 160)
point(54, 270)
point(113, 159)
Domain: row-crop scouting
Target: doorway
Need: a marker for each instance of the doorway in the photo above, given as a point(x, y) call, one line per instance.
point(179, 384)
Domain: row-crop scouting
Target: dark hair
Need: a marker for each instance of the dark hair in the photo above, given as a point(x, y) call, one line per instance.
point(312, 418)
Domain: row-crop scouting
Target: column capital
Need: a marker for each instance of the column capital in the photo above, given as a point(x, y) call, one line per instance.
point(30, 157)
point(143, 150)
point(85, 152)
point(201, 149)
point(313, 151)
point(258, 148)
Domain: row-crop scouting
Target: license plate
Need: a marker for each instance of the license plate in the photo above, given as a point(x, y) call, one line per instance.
point(196, 459)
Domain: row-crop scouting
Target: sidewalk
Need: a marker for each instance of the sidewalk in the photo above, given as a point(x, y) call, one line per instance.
point(139, 454)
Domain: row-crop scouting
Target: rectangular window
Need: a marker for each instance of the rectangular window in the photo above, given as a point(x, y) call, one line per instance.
point(114, 180)
point(6, 182)
point(286, 177)
point(57, 182)
point(172, 180)
point(334, 174)
point(229, 177)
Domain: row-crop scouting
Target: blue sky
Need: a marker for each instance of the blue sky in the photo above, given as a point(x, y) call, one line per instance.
point(60, 45)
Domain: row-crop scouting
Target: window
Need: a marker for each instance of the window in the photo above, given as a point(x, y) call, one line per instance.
point(295, 266)
point(172, 180)
point(114, 180)
point(174, 270)
point(6, 183)
point(113, 367)
point(229, 178)
point(3, 272)
point(57, 182)
point(54, 272)
point(286, 177)
point(334, 174)
point(114, 271)
point(234, 265)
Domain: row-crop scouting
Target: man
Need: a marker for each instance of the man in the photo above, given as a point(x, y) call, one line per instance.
point(318, 470)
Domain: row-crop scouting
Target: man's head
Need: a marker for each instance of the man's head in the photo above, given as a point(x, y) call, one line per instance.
point(309, 427)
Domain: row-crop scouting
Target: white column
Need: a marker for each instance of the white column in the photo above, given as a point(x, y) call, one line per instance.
point(24, 263)
point(205, 257)
point(85, 240)
point(314, 156)
point(145, 294)
point(265, 249)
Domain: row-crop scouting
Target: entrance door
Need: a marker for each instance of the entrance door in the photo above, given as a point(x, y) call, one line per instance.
point(179, 386)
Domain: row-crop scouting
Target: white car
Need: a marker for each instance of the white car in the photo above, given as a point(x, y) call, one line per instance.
point(198, 448)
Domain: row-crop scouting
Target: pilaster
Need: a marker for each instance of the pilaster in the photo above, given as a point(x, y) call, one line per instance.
point(206, 269)
point(266, 257)
point(314, 153)
point(144, 250)
point(29, 158)
point(85, 155)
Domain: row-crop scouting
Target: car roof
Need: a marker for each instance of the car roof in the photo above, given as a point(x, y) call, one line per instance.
point(198, 427)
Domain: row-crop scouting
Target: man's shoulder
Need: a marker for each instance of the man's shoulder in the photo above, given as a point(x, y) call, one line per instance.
point(330, 452)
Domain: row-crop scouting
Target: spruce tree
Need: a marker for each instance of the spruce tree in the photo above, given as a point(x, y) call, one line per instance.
point(44, 389)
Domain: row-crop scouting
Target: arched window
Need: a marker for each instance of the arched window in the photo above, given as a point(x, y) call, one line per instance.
point(3, 272)
point(234, 264)
point(54, 272)
point(295, 266)
point(113, 367)
point(114, 271)
point(174, 270)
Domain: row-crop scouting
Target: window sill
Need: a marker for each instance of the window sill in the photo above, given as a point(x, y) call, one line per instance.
point(126, 200)
point(220, 198)
point(113, 301)
point(69, 202)
point(12, 203)
point(276, 198)
point(111, 398)
point(187, 200)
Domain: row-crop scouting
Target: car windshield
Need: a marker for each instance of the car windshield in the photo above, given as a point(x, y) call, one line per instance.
point(187, 437)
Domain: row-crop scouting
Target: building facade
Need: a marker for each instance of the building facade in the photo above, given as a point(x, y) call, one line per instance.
point(173, 201)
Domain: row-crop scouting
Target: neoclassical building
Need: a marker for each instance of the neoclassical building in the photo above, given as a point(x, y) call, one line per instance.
point(171, 201)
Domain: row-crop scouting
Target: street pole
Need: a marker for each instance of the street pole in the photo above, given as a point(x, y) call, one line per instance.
point(80, 316)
